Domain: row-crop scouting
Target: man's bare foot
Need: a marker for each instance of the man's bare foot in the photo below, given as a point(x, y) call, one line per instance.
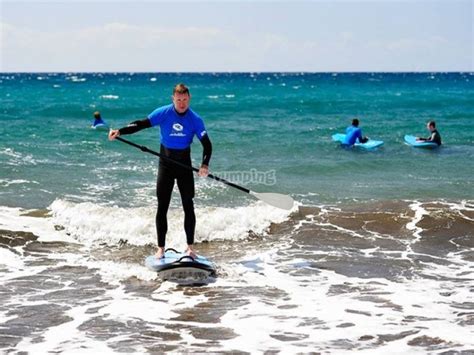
point(160, 253)
point(191, 252)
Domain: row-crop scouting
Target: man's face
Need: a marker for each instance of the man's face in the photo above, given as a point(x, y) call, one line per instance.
point(181, 102)
point(430, 128)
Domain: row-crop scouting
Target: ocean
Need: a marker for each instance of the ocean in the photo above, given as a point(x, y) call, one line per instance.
point(376, 255)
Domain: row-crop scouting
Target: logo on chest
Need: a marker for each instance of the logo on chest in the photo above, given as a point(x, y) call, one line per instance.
point(177, 130)
point(177, 127)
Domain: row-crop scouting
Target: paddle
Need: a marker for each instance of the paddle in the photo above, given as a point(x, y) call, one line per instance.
point(277, 200)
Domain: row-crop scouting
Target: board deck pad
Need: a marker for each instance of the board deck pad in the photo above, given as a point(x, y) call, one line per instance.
point(176, 266)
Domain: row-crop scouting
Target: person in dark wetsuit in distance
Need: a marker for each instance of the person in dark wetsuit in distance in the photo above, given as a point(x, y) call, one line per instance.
point(354, 134)
point(178, 125)
point(435, 137)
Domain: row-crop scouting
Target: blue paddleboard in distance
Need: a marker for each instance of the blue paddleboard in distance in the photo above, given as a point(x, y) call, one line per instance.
point(411, 140)
point(176, 266)
point(371, 144)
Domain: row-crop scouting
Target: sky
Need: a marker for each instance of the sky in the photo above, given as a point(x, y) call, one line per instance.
point(237, 36)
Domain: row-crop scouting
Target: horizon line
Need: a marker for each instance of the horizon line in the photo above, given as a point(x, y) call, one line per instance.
point(245, 72)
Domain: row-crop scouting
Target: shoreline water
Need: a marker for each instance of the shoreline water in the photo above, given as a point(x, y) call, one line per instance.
point(376, 255)
point(381, 277)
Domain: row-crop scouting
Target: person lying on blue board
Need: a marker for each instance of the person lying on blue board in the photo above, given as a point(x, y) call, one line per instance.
point(435, 137)
point(354, 134)
point(98, 121)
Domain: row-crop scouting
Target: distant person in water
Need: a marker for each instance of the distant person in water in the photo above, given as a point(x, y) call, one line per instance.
point(435, 137)
point(98, 121)
point(354, 134)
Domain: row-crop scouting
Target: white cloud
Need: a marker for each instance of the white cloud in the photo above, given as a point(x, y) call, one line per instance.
point(410, 44)
point(125, 47)
point(118, 46)
point(99, 47)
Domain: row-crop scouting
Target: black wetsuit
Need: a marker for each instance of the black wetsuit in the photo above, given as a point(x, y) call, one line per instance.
point(168, 172)
point(435, 138)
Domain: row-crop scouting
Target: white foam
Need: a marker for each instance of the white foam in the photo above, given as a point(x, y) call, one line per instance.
point(76, 79)
point(417, 207)
point(307, 308)
point(18, 158)
point(10, 259)
point(91, 223)
point(110, 97)
point(5, 183)
point(15, 219)
point(308, 296)
point(113, 272)
point(66, 337)
point(10, 152)
point(462, 206)
point(234, 223)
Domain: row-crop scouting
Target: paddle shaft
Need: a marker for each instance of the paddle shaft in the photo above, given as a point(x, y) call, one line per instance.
point(189, 167)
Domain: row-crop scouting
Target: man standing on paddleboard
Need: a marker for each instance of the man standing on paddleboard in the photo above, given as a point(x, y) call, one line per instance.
point(178, 125)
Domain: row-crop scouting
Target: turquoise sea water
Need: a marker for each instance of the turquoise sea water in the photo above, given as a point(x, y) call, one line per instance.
point(272, 123)
point(376, 257)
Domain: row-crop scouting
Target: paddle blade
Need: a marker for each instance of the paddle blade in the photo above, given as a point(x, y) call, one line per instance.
point(284, 202)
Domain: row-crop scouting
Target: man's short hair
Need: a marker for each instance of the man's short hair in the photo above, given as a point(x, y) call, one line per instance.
point(432, 124)
point(355, 122)
point(181, 89)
